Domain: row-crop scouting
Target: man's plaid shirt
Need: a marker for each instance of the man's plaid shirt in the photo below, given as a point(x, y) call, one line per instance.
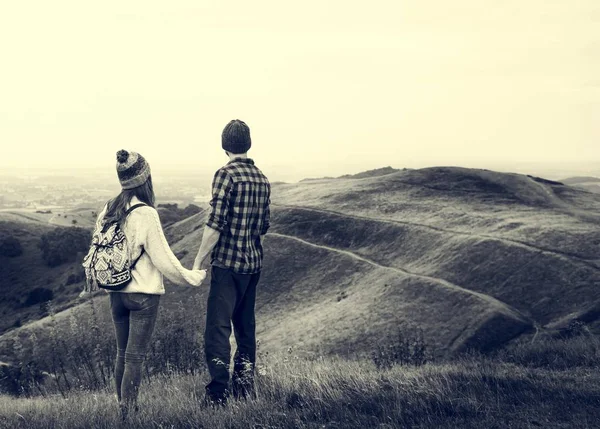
point(240, 212)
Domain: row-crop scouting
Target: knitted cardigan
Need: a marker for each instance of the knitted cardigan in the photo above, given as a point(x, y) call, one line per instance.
point(144, 231)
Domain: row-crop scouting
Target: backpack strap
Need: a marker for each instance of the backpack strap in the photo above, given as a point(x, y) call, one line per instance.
point(129, 210)
point(132, 266)
point(133, 207)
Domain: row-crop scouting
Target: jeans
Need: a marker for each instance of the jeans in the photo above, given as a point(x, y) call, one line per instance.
point(231, 300)
point(134, 316)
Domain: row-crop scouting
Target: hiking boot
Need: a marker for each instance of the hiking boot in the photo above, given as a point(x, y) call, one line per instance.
point(214, 399)
point(243, 389)
point(215, 403)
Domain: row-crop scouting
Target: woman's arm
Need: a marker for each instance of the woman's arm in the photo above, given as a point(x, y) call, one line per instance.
point(163, 258)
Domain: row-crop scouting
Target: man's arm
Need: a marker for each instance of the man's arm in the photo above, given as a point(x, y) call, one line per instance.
point(267, 213)
point(210, 238)
point(266, 221)
point(218, 219)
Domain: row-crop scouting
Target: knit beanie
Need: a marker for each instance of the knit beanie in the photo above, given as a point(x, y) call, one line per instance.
point(236, 137)
point(132, 169)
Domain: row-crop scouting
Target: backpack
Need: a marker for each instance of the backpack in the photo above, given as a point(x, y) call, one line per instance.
point(107, 264)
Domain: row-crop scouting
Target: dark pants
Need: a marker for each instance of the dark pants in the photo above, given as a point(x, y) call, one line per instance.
point(231, 300)
point(134, 316)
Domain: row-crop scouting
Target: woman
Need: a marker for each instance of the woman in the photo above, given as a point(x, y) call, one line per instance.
point(135, 308)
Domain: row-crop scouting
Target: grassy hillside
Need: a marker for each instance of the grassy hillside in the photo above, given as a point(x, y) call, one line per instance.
point(474, 258)
point(528, 243)
point(590, 184)
point(453, 260)
point(83, 217)
point(580, 179)
point(22, 274)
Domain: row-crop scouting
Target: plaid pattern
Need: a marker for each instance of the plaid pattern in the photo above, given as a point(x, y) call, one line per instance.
point(240, 211)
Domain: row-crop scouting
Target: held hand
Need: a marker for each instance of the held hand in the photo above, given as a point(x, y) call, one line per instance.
point(202, 276)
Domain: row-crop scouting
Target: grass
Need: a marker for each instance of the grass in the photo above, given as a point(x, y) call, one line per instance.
point(71, 349)
point(580, 349)
point(337, 393)
point(545, 382)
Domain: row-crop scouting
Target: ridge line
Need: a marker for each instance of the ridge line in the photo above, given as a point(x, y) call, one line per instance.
point(569, 256)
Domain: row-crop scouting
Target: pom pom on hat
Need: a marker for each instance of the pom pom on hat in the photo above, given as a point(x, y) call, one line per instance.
point(122, 156)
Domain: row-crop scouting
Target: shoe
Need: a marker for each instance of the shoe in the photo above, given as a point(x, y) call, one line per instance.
point(215, 402)
point(242, 387)
point(125, 410)
point(243, 391)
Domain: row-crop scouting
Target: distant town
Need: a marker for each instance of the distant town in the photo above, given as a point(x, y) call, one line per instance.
point(42, 192)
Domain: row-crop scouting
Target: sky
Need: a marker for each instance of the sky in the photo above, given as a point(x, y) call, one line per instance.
point(327, 87)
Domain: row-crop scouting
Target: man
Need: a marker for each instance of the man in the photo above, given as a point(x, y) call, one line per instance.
point(232, 237)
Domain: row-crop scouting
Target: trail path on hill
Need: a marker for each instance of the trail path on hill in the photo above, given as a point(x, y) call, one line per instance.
point(24, 216)
point(562, 255)
point(481, 296)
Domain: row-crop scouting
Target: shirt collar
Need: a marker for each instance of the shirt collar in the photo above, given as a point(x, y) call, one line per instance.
point(243, 160)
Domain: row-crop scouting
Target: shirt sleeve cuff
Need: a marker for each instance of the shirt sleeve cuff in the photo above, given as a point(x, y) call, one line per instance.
point(216, 224)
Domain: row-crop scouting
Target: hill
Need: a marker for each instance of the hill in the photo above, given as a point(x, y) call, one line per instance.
point(529, 245)
point(27, 281)
point(83, 216)
point(474, 258)
point(580, 179)
point(590, 184)
point(369, 173)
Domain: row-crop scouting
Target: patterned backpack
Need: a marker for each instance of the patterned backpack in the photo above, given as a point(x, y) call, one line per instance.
point(107, 264)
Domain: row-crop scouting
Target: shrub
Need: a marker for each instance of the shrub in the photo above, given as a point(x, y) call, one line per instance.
point(401, 349)
point(10, 378)
point(168, 206)
point(171, 213)
point(63, 244)
point(167, 217)
point(75, 278)
point(191, 210)
point(23, 376)
point(38, 295)
point(10, 247)
point(44, 309)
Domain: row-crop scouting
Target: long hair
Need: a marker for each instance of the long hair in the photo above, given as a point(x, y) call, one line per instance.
point(118, 205)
